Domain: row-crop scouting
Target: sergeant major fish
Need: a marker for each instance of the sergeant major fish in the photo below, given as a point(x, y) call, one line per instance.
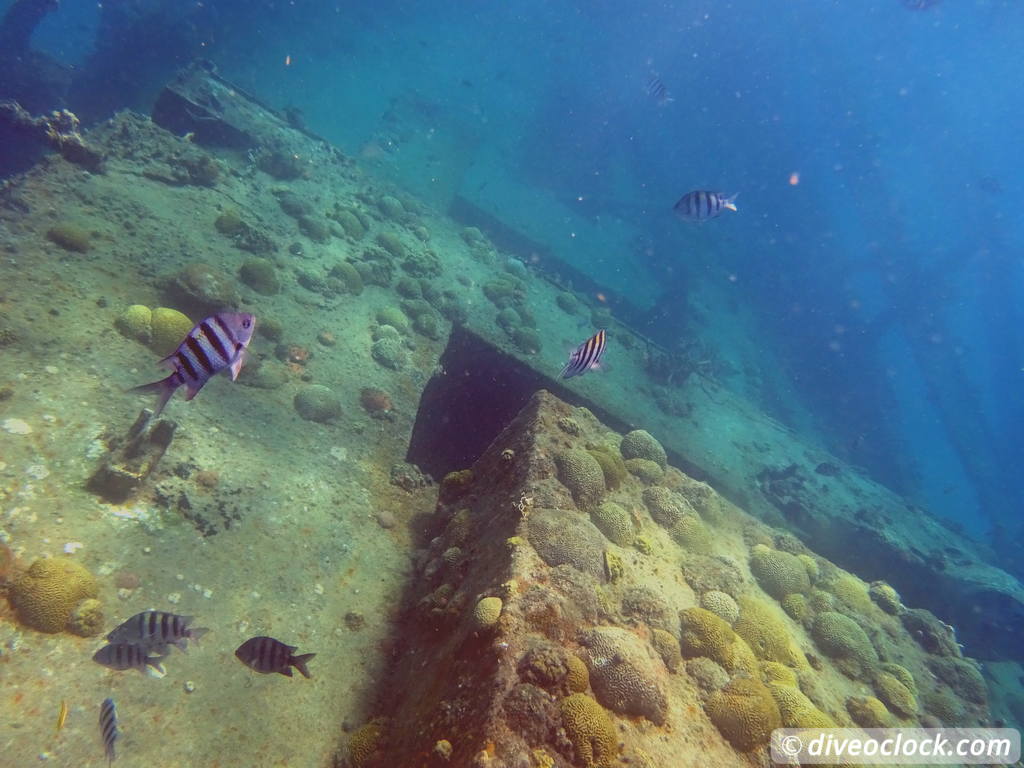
point(156, 630)
point(586, 356)
point(121, 656)
point(701, 206)
point(266, 655)
point(108, 728)
point(657, 90)
point(219, 342)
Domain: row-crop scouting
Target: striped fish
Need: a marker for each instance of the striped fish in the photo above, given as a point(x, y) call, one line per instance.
point(656, 90)
point(266, 655)
point(155, 630)
point(586, 356)
point(108, 728)
point(219, 342)
point(701, 206)
point(122, 656)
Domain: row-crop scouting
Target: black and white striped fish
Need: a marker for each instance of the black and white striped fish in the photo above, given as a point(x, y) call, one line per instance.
point(122, 656)
point(657, 90)
point(156, 630)
point(266, 655)
point(108, 728)
point(701, 206)
point(219, 342)
point(586, 356)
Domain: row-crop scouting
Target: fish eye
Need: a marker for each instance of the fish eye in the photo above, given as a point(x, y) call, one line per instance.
point(246, 323)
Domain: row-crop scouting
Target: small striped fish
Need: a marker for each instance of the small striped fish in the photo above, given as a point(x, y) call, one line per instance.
point(586, 356)
point(219, 342)
point(155, 630)
point(266, 655)
point(108, 728)
point(122, 656)
point(656, 90)
point(701, 206)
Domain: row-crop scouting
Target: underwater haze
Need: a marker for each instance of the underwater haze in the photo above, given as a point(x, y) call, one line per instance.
point(378, 230)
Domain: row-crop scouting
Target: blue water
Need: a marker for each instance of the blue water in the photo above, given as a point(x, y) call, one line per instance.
point(887, 282)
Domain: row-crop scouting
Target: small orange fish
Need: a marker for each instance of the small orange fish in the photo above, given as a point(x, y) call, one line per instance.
point(62, 716)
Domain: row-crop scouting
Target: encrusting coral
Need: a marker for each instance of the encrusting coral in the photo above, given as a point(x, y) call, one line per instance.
point(47, 594)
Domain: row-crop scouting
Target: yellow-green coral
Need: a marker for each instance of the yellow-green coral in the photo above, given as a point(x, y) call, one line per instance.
point(135, 322)
point(47, 593)
point(795, 606)
point(852, 592)
point(364, 742)
point(721, 604)
point(613, 521)
point(705, 634)
point(486, 613)
point(612, 465)
point(869, 712)
point(169, 327)
point(667, 647)
point(778, 573)
point(583, 476)
point(900, 673)
point(643, 545)
point(646, 470)
point(745, 712)
point(885, 597)
point(459, 527)
point(590, 730)
point(766, 634)
point(841, 638)
point(811, 566)
point(87, 618)
point(896, 695)
point(455, 484)
point(692, 535)
point(775, 672)
point(797, 710)
point(640, 444)
point(614, 567)
point(577, 677)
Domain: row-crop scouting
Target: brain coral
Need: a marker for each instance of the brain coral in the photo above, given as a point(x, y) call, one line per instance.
point(703, 573)
point(895, 695)
point(796, 710)
point(486, 613)
point(389, 353)
point(577, 676)
point(962, 676)
point(766, 634)
point(778, 573)
point(582, 475)
point(869, 712)
point(612, 465)
point(168, 327)
point(640, 444)
point(364, 743)
point(564, 537)
point(842, 638)
point(87, 618)
point(135, 322)
point(646, 470)
point(885, 597)
point(47, 593)
point(707, 674)
point(721, 604)
point(623, 674)
point(745, 712)
point(665, 506)
point(614, 522)
point(590, 730)
point(692, 535)
point(667, 647)
point(705, 634)
point(900, 673)
point(774, 672)
point(643, 604)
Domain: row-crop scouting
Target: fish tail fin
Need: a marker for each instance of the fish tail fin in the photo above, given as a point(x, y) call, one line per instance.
point(165, 388)
point(730, 202)
point(197, 632)
point(300, 663)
